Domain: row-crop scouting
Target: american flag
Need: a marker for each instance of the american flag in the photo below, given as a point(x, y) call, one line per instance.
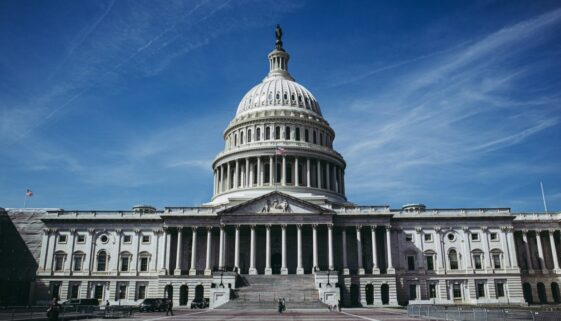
point(279, 151)
point(29, 193)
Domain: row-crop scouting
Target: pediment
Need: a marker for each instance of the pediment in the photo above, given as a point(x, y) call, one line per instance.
point(276, 203)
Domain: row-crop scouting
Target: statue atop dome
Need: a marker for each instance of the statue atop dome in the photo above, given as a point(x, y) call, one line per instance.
point(278, 35)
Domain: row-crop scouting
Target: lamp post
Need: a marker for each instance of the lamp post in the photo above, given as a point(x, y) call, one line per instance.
point(221, 275)
point(328, 283)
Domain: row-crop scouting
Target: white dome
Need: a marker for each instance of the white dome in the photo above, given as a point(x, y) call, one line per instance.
point(278, 91)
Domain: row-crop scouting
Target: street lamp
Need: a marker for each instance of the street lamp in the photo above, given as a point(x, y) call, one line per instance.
point(221, 275)
point(328, 283)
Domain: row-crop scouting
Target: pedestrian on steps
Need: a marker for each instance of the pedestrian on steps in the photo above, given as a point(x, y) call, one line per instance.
point(280, 307)
point(169, 308)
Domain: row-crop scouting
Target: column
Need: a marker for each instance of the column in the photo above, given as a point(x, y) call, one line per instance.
point(296, 172)
point(237, 249)
point(327, 176)
point(554, 250)
point(237, 174)
point(45, 249)
point(252, 269)
point(488, 262)
point(391, 270)
point(344, 248)
point(193, 269)
point(228, 177)
point(315, 247)
point(221, 249)
point(215, 191)
point(117, 254)
point(70, 257)
point(299, 268)
point(319, 173)
point(540, 252)
point(467, 248)
point(208, 270)
point(308, 182)
point(271, 177)
point(283, 171)
point(359, 250)
point(268, 270)
point(439, 258)
point(178, 256)
point(339, 185)
point(284, 269)
point(330, 246)
point(375, 267)
point(251, 176)
point(167, 250)
point(247, 171)
point(221, 186)
point(343, 181)
point(528, 255)
point(137, 237)
point(259, 174)
point(155, 250)
point(506, 250)
point(512, 247)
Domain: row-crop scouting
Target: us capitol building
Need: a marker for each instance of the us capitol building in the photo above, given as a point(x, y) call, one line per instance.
point(279, 225)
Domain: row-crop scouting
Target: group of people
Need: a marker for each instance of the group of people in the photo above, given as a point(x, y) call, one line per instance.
point(282, 305)
point(335, 307)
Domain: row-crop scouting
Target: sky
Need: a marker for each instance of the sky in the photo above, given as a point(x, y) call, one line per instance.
point(107, 104)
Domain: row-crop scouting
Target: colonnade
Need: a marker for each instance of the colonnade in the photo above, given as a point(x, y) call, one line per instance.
point(283, 269)
point(290, 171)
point(541, 255)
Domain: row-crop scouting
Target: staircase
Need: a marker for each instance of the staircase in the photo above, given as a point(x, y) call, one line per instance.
point(263, 291)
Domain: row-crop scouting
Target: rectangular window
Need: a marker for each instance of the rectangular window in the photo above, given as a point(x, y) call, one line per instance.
point(81, 238)
point(143, 264)
point(74, 290)
point(475, 236)
point(127, 239)
point(409, 237)
point(500, 289)
point(457, 291)
point(497, 261)
point(428, 237)
point(494, 236)
point(125, 264)
point(306, 136)
point(430, 263)
point(62, 238)
point(78, 262)
point(480, 290)
point(411, 263)
point(122, 291)
point(59, 262)
point(477, 261)
point(412, 292)
point(432, 290)
point(145, 239)
point(287, 133)
point(141, 292)
point(98, 292)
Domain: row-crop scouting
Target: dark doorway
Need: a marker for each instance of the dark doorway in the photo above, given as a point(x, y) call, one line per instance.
point(168, 290)
point(355, 295)
point(527, 289)
point(555, 292)
point(199, 292)
point(183, 295)
point(369, 294)
point(385, 293)
point(541, 293)
point(276, 263)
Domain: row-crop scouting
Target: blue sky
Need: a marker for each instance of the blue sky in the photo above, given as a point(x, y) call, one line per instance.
point(106, 104)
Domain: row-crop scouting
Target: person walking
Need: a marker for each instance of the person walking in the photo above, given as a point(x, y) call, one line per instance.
point(280, 306)
point(169, 309)
point(339, 305)
point(53, 310)
point(283, 305)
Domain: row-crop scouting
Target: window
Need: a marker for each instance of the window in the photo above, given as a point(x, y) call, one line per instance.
point(500, 289)
point(127, 239)
point(480, 290)
point(267, 133)
point(277, 132)
point(287, 133)
point(411, 263)
point(101, 261)
point(321, 138)
point(314, 136)
point(241, 137)
point(497, 261)
point(457, 291)
point(145, 239)
point(306, 135)
point(122, 291)
point(249, 135)
point(235, 139)
point(144, 264)
point(297, 133)
point(475, 236)
point(412, 291)
point(451, 236)
point(74, 290)
point(59, 262)
point(409, 237)
point(258, 134)
point(453, 258)
point(98, 292)
point(104, 238)
point(428, 237)
point(125, 259)
point(494, 236)
point(62, 238)
point(430, 263)
point(477, 261)
point(78, 259)
point(141, 292)
point(432, 290)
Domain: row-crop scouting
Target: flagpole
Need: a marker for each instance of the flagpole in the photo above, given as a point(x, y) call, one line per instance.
point(543, 197)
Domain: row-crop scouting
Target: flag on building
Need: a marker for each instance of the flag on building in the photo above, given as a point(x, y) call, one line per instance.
point(279, 151)
point(29, 193)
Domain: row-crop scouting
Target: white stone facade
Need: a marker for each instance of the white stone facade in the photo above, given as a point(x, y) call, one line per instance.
point(279, 207)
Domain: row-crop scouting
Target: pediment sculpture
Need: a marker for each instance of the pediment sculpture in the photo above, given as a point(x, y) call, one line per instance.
point(276, 206)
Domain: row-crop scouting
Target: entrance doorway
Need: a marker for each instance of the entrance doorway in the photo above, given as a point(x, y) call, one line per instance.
point(355, 295)
point(168, 290)
point(369, 294)
point(385, 293)
point(199, 292)
point(276, 263)
point(527, 289)
point(541, 293)
point(183, 295)
point(555, 292)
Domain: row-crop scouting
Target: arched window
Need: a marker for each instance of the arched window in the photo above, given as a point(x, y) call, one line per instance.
point(277, 132)
point(321, 139)
point(249, 135)
point(267, 133)
point(306, 135)
point(278, 95)
point(101, 261)
point(453, 258)
point(235, 140)
point(287, 133)
point(241, 138)
point(258, 134)
point(315, 140)
point(297, 133)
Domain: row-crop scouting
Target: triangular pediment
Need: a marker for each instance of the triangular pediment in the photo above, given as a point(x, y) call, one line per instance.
point(276, 203)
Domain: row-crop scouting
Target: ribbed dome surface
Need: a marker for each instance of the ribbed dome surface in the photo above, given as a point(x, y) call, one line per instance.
point(278, 92)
